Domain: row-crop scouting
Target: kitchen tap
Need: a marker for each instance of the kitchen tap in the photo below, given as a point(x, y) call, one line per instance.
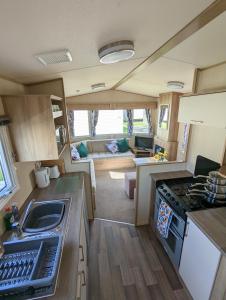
point(16, 226)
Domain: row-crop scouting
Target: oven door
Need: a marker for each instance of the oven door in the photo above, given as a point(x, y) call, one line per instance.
point(173, 244)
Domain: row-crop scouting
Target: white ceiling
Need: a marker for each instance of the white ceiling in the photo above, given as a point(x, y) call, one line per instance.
point(153, 80)
point(28, 27)
point(206, 47)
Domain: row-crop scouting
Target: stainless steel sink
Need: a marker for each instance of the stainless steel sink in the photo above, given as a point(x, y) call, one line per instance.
point(43, 216)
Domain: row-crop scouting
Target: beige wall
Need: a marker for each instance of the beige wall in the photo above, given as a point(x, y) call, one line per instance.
point(110, 96)
point(24, 170)
point(206, 141)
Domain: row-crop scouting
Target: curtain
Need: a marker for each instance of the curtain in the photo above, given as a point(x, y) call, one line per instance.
point(129, 113)
point(150, 127)
point(71, 123)
point(93, 121)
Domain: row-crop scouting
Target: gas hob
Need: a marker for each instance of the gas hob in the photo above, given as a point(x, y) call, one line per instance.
point(175, 193)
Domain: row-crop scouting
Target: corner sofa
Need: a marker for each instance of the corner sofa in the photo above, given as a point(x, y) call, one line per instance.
point(103, 159)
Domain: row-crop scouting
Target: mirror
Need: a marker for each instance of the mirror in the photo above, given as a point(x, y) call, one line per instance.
point(164, 116)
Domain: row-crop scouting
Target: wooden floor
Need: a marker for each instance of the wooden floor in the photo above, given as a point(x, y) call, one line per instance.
point(126, 262)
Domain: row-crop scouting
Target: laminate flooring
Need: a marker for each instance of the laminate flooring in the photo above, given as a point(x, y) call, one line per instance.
point(127, 262)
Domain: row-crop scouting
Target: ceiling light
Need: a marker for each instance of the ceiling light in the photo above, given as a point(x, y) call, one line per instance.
point(115, 52)
point(98, 85)
point(54, 57)
point(177, 85)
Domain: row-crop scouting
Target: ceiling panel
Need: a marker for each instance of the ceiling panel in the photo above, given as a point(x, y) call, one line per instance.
point(206, 47)
point(79, 82)
point(31, 27)
point(153, 80)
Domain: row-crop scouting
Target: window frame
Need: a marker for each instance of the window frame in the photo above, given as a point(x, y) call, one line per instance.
point(8, 167)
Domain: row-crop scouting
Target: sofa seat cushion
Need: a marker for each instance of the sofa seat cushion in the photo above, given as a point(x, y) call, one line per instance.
point(108, 155)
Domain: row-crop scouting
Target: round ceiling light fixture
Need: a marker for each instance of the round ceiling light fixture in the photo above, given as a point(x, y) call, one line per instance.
point(115, 52)
point(177, 85)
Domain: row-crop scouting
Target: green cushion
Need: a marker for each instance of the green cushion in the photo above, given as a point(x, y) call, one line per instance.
point(82, 150)
point(123, 145)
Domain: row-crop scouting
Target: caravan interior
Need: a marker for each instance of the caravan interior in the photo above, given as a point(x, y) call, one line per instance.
point(113, 150)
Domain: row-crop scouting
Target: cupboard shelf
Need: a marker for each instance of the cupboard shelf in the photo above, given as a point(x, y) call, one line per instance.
point(57, 114)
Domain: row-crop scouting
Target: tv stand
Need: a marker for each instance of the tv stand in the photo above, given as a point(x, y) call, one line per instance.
point(139, 152)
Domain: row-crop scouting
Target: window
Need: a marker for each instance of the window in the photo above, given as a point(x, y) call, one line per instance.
point(110, 122)
point(7, 172)
point(140, 124)
point(106, 122)
point(81, 122)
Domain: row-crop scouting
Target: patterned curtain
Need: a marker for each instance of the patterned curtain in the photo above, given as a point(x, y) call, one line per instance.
point(129, 114)
point(71, 123)
point(93, 121)
point(150, 127)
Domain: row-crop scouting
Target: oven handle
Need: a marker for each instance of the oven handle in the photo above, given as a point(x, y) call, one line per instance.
point(174, 233)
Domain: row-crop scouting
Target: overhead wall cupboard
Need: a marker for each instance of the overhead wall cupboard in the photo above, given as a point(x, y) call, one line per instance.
point(205, 109)
point(33, 127)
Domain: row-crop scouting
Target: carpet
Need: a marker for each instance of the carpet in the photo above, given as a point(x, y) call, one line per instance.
point(112, 202)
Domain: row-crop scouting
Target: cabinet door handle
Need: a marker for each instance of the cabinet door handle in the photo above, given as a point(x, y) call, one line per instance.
point(84, 278)
point(186, 230)
point(82, 283)
point(83, 257)
point(197, 121)
point(79, 292)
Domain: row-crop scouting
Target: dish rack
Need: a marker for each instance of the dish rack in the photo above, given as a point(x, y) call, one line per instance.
point(29, 265)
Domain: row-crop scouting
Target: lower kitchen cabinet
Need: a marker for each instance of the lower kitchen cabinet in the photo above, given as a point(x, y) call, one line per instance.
point(199, 262)
point(82, 278)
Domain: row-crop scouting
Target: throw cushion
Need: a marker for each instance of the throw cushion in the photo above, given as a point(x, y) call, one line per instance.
point(74, 153)
point(82, 150)
point(123, 145)
point(112, 147)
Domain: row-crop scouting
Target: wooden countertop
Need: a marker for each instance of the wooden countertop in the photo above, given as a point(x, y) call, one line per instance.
point(212, 223)
point(68, 186)
point(170, 175)
point(146, 161)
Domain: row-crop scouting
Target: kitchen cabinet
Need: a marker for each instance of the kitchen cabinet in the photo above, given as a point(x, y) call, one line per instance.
point(34, 120)
point(199, 262)
point(82, 266)
point(206, 109)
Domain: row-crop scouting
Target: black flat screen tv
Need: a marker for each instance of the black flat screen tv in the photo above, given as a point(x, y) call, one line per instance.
point(142, 142)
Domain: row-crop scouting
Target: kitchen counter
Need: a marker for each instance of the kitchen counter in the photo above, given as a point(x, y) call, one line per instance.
point(68, 186)
point(170, 175)
point(212, 223)
point(145, 161)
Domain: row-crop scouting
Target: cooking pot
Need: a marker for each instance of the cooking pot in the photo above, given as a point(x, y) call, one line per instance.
point(208, 198)
point(214, 177)
point(216, 188)
point(209, 193)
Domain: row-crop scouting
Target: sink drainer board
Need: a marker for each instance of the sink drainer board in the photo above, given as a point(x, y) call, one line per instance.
point(28, 266)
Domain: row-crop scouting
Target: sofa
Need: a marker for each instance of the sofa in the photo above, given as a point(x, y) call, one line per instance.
point(103, 159)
